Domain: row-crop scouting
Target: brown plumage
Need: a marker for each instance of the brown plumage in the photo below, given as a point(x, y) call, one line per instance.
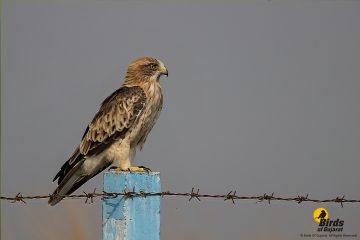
point(121, 125)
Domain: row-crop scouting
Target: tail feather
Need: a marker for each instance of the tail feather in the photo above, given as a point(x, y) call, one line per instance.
point(75, 178)
point(72, 181)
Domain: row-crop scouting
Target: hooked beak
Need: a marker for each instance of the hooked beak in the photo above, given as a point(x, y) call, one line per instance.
point(163, 70)
point(166, 72)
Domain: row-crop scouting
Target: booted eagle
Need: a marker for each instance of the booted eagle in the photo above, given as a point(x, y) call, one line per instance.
point(121, 125)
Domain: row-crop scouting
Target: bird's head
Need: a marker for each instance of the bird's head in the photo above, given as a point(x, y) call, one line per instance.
point(143, 70)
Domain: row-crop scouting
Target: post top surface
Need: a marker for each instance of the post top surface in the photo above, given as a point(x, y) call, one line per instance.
point(131, 173)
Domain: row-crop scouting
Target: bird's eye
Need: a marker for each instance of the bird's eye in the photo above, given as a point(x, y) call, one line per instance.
point(153, 66)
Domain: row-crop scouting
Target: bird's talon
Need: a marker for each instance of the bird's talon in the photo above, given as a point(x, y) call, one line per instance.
point(117, 169)
point(146, 169)
point(139, 169)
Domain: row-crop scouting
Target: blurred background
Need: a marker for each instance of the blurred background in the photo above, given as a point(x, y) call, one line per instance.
point(261, 97)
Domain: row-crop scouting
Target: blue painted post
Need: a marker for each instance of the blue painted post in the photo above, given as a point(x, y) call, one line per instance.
point(134, 218)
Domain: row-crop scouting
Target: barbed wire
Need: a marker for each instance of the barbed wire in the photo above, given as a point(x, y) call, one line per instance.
point(194, 194)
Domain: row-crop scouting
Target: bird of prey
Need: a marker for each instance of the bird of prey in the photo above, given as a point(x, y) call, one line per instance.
point(121, 125)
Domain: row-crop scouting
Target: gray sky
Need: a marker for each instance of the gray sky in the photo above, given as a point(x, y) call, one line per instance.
point(261, 97)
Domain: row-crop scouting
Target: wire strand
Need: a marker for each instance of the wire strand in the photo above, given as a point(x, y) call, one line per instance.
point(194, 194)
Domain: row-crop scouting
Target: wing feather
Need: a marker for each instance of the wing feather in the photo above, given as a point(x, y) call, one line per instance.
point(117, 114)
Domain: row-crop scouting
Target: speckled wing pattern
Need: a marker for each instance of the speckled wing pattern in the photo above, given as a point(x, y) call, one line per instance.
point(116, 116)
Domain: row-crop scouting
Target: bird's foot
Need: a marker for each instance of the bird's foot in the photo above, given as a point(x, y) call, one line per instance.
point(116, 169)
point(139, 169)
point(131, 169)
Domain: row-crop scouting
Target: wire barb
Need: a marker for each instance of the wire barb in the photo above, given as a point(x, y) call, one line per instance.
point(267, 197)
point(194, 195)
point(230, 196)
point(301, 199)
point(18, 198)
point(340, 200)
point(90, 196)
